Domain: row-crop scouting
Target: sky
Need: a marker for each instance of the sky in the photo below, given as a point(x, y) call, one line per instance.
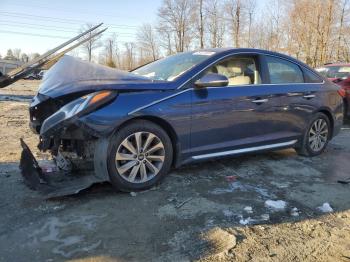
point(37, 26)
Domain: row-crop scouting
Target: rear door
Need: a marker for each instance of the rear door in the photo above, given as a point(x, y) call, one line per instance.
point(300, 91)
point(244, 114)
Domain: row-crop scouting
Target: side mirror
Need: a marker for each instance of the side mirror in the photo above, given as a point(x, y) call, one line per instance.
point(212, 80)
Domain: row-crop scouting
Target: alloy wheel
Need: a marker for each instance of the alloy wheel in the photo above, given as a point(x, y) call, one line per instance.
point(318, 135)
point(140, 157)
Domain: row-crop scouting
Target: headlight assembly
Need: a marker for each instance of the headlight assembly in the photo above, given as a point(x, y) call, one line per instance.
point(78, 108)
point(90, 102)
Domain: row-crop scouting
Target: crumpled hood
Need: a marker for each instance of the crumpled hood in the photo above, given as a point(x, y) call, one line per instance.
point(71, 75)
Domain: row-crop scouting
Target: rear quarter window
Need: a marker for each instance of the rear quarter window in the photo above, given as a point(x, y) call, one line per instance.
point(311, 77)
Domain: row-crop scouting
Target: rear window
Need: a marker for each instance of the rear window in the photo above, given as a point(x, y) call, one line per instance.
point(283, 72)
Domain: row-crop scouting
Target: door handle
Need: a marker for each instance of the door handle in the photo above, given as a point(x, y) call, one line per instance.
point(309, 96)
point(260, 101)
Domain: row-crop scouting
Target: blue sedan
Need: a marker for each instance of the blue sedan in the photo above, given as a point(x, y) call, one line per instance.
point(193, 106)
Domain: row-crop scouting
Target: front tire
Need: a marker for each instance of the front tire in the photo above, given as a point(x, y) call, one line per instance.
point(316, 136)
point(140, 155)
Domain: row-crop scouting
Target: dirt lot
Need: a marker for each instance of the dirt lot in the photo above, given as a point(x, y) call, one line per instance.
point(216, 211)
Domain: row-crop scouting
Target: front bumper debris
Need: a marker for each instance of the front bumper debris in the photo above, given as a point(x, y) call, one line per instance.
point(56, 183)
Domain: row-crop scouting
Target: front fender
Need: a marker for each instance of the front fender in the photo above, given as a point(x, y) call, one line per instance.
point(108, 118)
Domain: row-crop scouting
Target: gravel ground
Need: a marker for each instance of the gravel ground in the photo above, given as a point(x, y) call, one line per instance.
point(214, 211)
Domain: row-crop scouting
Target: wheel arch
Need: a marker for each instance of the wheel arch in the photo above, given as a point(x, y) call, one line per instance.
point(165, 125)
point(328, 113)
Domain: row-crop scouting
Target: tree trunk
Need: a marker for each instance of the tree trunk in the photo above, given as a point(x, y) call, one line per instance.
point(201, 26)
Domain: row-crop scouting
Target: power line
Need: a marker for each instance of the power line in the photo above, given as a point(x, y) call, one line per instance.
point(39, 35)
point(50, 28)
point(57, 20)
point(21, 25)
point(30, 34)
point(65, 10)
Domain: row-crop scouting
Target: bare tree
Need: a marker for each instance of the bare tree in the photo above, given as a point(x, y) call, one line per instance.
point(216, 23)
point(17, 53)
point(315, 31)
point(24, 57)
point(234, 10)
point(129, 56)
point(315, 36)
point(92, 43)
point(177, 16)
point(201, 24)
point(250, 7)
point(148, 42)
point(166, 40)
point(9, 55)
point(111, 51)
point(341, 27)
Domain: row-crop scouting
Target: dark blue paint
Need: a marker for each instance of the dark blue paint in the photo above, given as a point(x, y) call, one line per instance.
point(214, 119)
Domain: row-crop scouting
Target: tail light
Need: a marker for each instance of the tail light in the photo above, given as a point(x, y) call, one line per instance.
point(342, 92)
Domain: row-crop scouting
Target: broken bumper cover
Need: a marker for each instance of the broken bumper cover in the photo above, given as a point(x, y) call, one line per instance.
point(56, 183)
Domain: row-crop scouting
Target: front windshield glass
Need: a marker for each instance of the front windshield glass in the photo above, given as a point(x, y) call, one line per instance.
point(170, 68)
point(334, 71)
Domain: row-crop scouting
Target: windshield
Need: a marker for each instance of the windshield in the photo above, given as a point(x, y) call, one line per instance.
point(170, 68)
point(334, 71)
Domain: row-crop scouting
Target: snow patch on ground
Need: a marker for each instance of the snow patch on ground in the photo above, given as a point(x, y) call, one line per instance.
point(238, 186)
point(276, 205)
point(265, 217)
point(228, 213)
point(294, 212)
point(325, 208)
point(246, 221)
point(248, 209)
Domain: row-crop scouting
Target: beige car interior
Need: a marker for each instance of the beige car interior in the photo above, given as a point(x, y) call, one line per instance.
point(239, 71)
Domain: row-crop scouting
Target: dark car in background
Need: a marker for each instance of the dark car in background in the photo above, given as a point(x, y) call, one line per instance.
point(34, 76)
point(340, 75)
point(188, 107)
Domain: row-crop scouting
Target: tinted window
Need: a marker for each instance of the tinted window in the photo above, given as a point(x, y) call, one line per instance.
point(311, 77)
point(282, 71)
point(239, 71)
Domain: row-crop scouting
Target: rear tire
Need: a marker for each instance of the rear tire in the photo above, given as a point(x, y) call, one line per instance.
point(316, 136)
point(139, 156)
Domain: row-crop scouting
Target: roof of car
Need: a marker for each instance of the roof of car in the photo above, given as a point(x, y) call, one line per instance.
point(225, 49)
point(245, 50)
point(228, 50)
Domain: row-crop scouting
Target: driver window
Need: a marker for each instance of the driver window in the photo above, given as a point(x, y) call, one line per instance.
point(238, 70)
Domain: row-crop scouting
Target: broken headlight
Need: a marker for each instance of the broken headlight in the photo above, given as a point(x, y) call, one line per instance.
point(77, 108)
point(91, 102)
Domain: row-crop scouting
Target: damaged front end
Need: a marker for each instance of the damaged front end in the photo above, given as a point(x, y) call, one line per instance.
point(54, 182)
point(63, 178)
point(72, 146)
point(73, 118)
